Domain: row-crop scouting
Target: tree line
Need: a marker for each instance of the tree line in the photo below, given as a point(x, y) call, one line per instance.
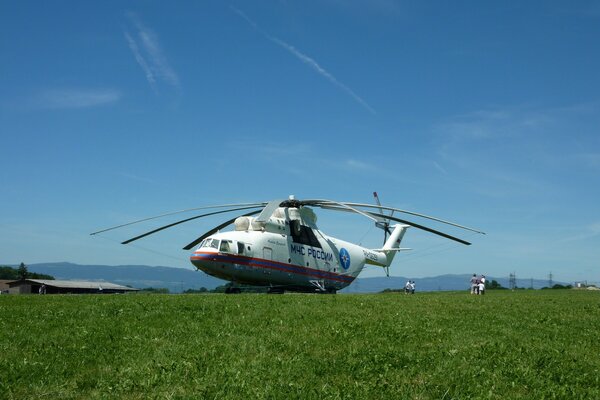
point(10, 273)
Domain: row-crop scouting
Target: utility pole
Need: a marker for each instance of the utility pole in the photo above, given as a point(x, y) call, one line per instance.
point(550, 280)
point(512, 281)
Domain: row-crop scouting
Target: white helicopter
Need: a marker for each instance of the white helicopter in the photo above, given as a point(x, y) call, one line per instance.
point(282, 248)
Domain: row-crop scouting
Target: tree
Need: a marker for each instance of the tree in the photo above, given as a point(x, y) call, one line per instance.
point(155, 290)
point(201, 290)
point(10, 273)
point(22, 271)
point(494, 285)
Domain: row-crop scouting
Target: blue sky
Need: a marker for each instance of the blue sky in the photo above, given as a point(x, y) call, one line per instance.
point(483, 114)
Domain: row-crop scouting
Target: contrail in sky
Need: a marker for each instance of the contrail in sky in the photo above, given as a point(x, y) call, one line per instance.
point(140, 59)
point(305, 59)
point(149, 55)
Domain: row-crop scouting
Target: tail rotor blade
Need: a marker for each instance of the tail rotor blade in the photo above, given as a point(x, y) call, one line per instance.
point(378, 202)
point(385, 224)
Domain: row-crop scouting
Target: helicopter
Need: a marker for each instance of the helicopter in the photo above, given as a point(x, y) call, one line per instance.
point(282, 248)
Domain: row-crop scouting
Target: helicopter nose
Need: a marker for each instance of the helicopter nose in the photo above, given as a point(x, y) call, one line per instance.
point(200, 263)
point(204, 261)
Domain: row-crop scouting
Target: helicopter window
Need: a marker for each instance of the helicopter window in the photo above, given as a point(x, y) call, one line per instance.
point(225, 247)
point(303, 234)
point(214, 243)
point(240, 247)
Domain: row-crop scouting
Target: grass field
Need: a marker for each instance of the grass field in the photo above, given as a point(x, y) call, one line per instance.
point(523, 344)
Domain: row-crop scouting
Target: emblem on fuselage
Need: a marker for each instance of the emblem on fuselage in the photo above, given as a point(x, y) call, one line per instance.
point(344, 258)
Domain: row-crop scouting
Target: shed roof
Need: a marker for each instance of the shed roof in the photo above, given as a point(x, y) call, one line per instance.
point(77, 284)
point(4, 283)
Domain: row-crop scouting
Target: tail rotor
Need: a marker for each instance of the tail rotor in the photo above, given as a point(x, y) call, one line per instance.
point(383, 223)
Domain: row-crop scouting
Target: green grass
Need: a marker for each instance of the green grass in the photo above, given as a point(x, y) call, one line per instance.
point(524, 344)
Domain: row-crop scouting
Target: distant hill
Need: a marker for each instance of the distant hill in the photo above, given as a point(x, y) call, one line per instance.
point(180, 279)
point(138, 276)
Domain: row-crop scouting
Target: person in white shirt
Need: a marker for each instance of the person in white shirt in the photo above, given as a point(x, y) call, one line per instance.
point(482, 284)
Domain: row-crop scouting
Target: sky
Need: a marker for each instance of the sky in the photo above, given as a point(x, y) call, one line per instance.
point(482, 113)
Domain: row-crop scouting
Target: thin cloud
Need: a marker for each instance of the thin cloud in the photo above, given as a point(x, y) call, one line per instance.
point(389, 8)
point(307, 60)
point(440, 168)
point(586, 232)
point(302, 154)
point(140, 60)
point(591, 160)
point(144, 45)
point(136, 178)
point(77, 98)
point(355, 165)
point(271, 150)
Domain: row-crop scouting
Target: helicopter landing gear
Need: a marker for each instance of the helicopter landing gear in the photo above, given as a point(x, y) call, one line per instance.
point(233, 290)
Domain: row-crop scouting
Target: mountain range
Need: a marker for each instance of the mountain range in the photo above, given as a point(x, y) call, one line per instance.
point(180, 279)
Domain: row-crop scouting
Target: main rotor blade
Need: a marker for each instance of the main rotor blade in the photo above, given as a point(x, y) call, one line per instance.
point(181, 222)
point(261, 204)
point(424, 228)
point(217, 228)
point(340, 206)
point(329, 204)
point(268, 210)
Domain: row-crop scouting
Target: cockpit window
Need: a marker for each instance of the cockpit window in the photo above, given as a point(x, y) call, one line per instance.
point(303, 234)
point(225, 247)
point(214, 243)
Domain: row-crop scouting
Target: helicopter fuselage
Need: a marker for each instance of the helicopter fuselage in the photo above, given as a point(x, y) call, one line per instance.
point(268, 259)
point(283, 254)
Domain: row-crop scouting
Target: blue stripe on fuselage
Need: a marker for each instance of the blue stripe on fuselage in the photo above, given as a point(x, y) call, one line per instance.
point(262, 263)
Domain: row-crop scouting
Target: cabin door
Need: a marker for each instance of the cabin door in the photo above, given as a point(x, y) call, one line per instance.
point(267, 253)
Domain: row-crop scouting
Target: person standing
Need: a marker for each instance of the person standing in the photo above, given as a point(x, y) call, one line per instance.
point(482, 284)
point(412, 287)
point(407, 287)
point(474, 284)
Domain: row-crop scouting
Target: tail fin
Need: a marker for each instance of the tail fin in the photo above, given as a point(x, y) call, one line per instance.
point(396, 236)
point(392, 245)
